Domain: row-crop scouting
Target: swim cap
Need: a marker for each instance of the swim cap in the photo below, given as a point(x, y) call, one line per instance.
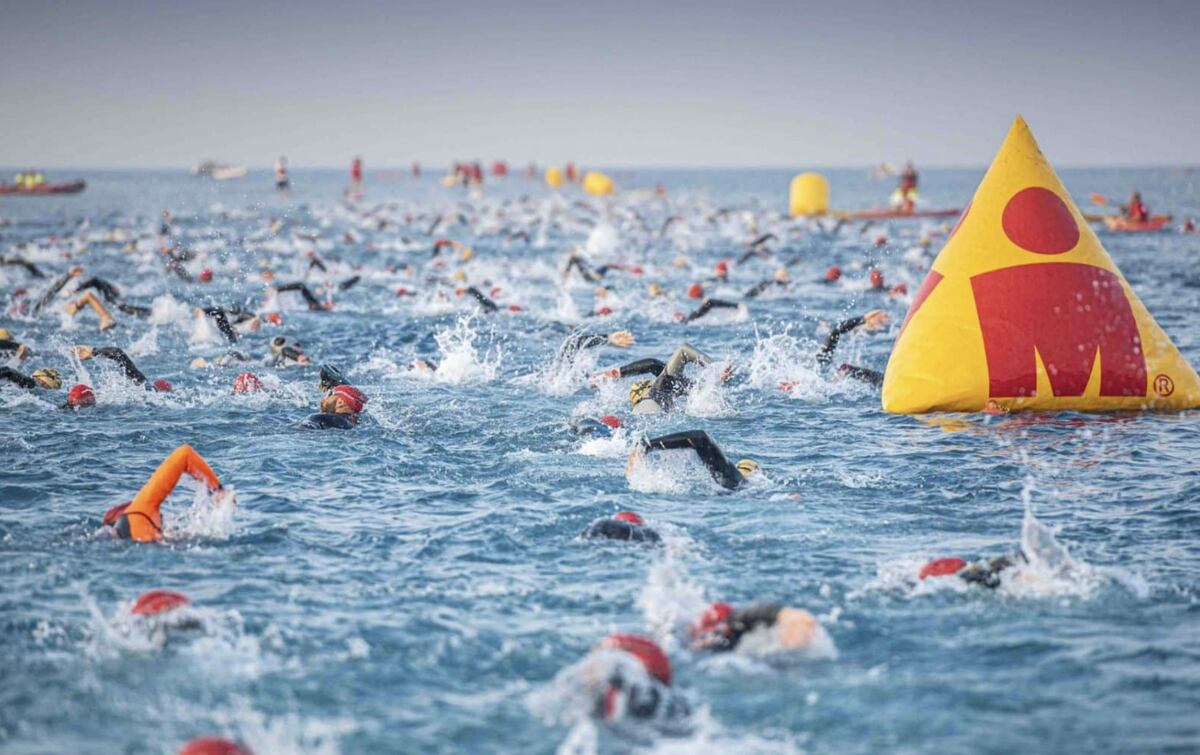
point(899, 289)
point(468, 254)
point(833, 273)
point(213, 746)
point(881, 241)
point(640, 391)
point(81, 395)
point(349, 397)
point(695, 291)
point(604, 311)
point(645, 650)
point(111, 516)
point(722, 269)
point(48, 377)
point(514, 308)
point(611, 421)
point(158, 601)
point(655, 290)
point(274, 318)
point(162, 386)
point(206, 275)
point(628, 516)
point(712, 625)
point(247, 382)
point(781, 275)
point(747, 466)
point(942, 567)
point(5, 335)
point(331, 376)
point(876, 278)
point(459, 276)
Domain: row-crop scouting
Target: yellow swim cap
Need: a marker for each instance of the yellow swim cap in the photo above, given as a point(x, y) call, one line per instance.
point(468, 254)
point(48, 377)
point(640, 391)
point(747, 466)
point(655, 289)
point(459, 276)
point(5, 335)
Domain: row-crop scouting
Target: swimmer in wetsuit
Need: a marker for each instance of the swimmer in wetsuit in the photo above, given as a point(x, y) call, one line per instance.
point(339, 410)
point(46, 377)
point(669, 383)
point(624, 525)
point(780, 279)
point(31, 268)
point(141, 519)
point(601, 428)
point(727, 475)
point(113, 296)
point(982, 573)
point(709, 305)
point(124, 362)
point(314, 304)
point(626, 679)
point(871, 321)
point(54, 288)
point(578, 342)
point(721, 628)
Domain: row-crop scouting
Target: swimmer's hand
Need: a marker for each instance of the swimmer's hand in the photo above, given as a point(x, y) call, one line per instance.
point(726, 373)
point(622, 339)
point(604, 375)
point(84, 352)
point(75, 272)
point(876, 319)
point(223, 496)
point(634, 456)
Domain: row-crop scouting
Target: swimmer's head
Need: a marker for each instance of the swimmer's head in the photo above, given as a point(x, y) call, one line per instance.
point(722, 269)
point(613, 422)
point(655, 290)
point(213, 746)
point(781, 275)
point(157, 602)
point(876, 278)
point(48, 378)
point(206, 275)
point(344, 399)
point(712, 628)
point(645, 650)
point(640, 391)
point(747, 467)
point(162, 386)
point(247, 382)
point(695, 291)
point(629, 517)
point(833, 273)
point(286, 347)
point(5, 335)
point(331, 377)
point(81, 395)
point(942, 567)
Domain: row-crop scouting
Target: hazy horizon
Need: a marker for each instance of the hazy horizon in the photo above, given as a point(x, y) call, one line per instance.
point(133, 84)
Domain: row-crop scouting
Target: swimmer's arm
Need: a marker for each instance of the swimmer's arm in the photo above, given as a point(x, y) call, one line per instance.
point(106, 289)
point(8, 346)
point(709, 452)
point(55, 287)
point(485, 302)
point(825, 355)
point(121, 358)
point(758, 289)
point(641, 367)
point(755, 615)
point(862, 374)
point(16, 378)
point(29, 266)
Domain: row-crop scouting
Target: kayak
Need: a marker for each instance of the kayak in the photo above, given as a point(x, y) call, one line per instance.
point(1125, 225)
point(70, 187)
point(893, 214)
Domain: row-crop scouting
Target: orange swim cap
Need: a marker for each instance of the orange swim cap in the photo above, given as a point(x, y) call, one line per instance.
point(833, 273)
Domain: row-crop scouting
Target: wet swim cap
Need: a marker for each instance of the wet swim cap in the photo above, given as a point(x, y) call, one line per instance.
point(348, 397)
point(274, 318)
point(111, 516)
point(604, 311)
point(655, 290)
point(881, 241)
point(640, 391)
point(629, 516)
point(747, 466)
point(5, 335)
point(645, 650)
point(331, 376)
point(48, 377)
point(713, 625)
point(158, 601)
point(247, 382)
point(162, 386)
point(899, 289)
point(611, 421)
point(722, 269)
point(833, 273)
point(213, 746)
point(206, 275)
point(695, 291)
point(81, 395)
point(943, 567)
point(876, 278)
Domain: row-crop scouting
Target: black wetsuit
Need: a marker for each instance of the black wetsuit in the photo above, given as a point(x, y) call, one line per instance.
point(22, 262)
point(758, 289)
point(742, 621)
point(51, 292)
point(612, 529)
point(590, 275)
point(8, 346)
point(121, 358)
point(577, 342)
point(987, 574)
point(113, 296)
point(488, 305)
point(16, 378)
point(723, 471)
point(825, 355)
point(314, 304)
point(708, 306)
point(327, 421)
point(669, 383)
point(590, 426)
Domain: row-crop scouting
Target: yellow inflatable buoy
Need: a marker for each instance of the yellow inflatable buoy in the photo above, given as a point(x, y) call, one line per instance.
point(809, 195)
point(1024, 310)
point(554, 177)
point(597, 184)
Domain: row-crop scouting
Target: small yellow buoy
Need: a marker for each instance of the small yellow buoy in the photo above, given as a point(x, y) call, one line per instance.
point(597, 184)
point(554, 177)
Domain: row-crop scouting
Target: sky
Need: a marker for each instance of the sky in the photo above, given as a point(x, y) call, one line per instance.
point(125, 83)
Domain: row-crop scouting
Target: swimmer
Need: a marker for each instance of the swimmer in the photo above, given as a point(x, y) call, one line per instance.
point(780, 279)
point(46, 377)
point(727, 475)
point(669, 384)
point(140, 519)
point(164, 610)
point(91, 300)
point(832, 275)
point(627, 679)
point(982, 573)
point(112, 295)
point(54, 288)
point(722, 628)
point(79, 397)
point(12, 348)
point(710, 304)
point(339, 410)
point(872, 321)
point(579, 341)
point(601, 428)
point(486, 304)
point(213, 746)
point(124, 362)
point(286, 352)
point(624, 525)
point(242, 321)
point(314, 304)
point(32, 269)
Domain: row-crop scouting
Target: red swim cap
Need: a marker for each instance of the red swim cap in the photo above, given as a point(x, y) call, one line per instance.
point(81, 395)
point(881, 241)
point(635, 270)
point(158, 601)
point(715, 619)
point(604, 311)
point(213, 746)
point(942, 567)
point(645, 650)
point(876, 278)
point(162, 386)
point(628, 516)
point(515, 308)
point(351, 397)
point(695, 291)
point(111, 516)
point(205, 275)
point(786, 386)
point(899, 289)
point(611, 421)
point(401, 291)
point(722, 269)
point(274, 318)
point(833, 273)
point(247, 382)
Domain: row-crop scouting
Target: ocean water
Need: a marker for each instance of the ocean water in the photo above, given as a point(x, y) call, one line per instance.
point(416, 584)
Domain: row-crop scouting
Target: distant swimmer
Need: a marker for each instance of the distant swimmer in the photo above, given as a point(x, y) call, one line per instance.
point(339, 410)
point(9, 347)
point(580, 341)
point(628, 680)
point(781, 279)
point(624, 525)
point(124, 362)
point(281, 174)
point(603, 427)
point(832, 275)
point(213, 746)
point(32, 269)
point(669, 383)
point(54, 288)
point(112, 295)
point(231, 321)
point(140, 518)
point(710, 304)
point(314, 304)
point(765, 626)
point(871, 321)
point(165, 610)
point(726, 474)
point(904, 198)
point(46, 377)
point(983, 573)
point(286, 352)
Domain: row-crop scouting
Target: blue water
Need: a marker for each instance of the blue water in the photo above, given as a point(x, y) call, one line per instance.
point(416, 584)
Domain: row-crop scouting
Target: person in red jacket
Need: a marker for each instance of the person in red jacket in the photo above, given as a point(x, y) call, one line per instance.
point(1136, 210)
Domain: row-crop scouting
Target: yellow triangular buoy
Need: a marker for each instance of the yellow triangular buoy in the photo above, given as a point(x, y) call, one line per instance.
point(1024, 310)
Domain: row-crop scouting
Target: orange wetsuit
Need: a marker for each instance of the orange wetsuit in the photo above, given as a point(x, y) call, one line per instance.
point(140, 518)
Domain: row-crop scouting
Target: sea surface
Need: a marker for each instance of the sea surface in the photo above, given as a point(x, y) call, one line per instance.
point(417, 583)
